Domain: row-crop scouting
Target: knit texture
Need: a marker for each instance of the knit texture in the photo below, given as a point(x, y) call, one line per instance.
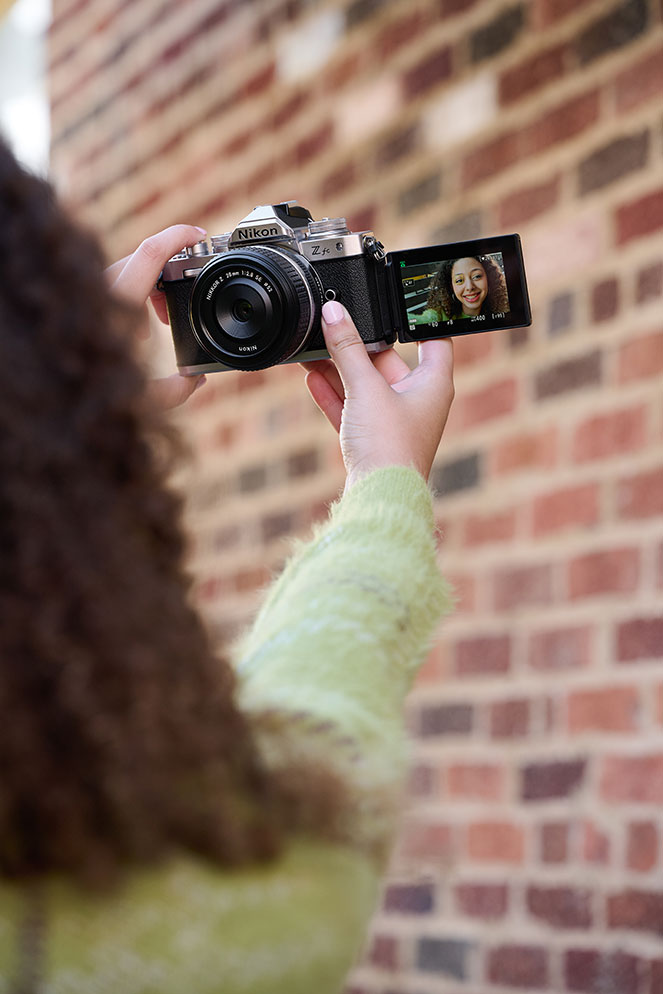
point(332, 652)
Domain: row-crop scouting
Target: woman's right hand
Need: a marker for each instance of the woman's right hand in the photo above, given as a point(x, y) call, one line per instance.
point(385, 413)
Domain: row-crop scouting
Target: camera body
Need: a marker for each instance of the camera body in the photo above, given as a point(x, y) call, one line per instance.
point(252, 298)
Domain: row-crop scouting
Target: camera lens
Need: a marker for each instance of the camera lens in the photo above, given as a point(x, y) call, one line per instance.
point(256, 307)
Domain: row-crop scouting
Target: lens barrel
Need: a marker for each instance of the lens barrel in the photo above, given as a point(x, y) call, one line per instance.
point(253, 308)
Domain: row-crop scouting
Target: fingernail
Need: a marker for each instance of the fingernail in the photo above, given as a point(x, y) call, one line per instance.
point(201, 379)
point(333, 312)
point(203, 231)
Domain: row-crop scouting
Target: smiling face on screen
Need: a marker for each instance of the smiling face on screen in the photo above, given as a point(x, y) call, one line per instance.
point(470, 284)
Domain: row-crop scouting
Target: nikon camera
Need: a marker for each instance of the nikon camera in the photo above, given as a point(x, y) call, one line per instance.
point(252, 298)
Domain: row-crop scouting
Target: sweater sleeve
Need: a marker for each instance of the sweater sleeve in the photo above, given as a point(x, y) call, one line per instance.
point(341, 634)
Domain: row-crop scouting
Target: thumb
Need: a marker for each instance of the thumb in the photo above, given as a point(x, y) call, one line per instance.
point(345, 345)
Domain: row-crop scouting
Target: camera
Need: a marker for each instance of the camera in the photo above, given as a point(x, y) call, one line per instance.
point(252, 298)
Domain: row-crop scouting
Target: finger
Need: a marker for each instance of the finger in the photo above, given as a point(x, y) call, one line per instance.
point(437, 356)
point(391, 366)
point(141, 271)
point(345, 346)
point(173, 390)
point(329, 371)
point(326, 398)
point(113, 271)
point(158, 301)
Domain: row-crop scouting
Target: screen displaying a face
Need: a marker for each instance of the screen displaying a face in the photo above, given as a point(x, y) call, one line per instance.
point(470, 288)
point(461, 289)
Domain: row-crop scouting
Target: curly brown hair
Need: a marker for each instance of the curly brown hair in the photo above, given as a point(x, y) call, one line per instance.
point(442, 298)
point(120, 741)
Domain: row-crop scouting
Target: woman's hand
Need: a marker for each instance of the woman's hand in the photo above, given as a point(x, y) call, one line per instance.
point(134, 278)
point(385, 413)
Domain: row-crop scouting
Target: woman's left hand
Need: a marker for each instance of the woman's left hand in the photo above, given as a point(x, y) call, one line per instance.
point(134, 278)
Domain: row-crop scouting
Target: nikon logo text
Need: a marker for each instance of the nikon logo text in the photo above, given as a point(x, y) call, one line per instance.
point(248, 234)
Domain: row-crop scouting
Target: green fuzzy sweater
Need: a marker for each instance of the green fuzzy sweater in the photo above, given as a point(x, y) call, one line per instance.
point(333, 651)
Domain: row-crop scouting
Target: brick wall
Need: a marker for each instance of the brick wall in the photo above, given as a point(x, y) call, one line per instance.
point(531, 853)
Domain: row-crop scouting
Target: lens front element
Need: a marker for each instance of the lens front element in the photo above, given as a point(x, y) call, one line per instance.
point(255, 308)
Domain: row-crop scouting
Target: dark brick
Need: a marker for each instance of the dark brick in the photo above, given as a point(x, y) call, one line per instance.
point(460, 474)
point(547, 781)
point(610, 163)
point(410, 899)
point(424, 191)
point(339, 180)
point(498, 34)
point(460, 229)
point(524, 967)
point(448, 956)
point(362, 10)
point(649, 283)
point(362, 219)
point(605, 300)
point(276, 525)
point(446, 719)
point(252, 478)
point(636, 909)
point(451, 8)
point(561, 907)
point(313, 145)
point(656, 977)
point(302, 463)
point(430, 72)
point(592, 972)
point(640, 638)
point(398, 144)
point(569, 374)
point(560, 313)
point(624, 23)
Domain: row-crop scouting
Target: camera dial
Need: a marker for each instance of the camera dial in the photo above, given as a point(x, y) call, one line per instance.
point(255, 307)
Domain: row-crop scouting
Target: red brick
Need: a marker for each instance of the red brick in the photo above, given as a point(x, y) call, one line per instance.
point(495, 842)
point(522, 586)
point(656, 977)
point(649, 283)
point(509, 719)
point(595, 844)
point(532, 74)
point(383, 952)
point(524, 967)
point(493, 157)
point(339, 180)
point(429, 72)
point(554, 842)
point(548, 12)
point(427, 842)
point(477, 781)
point(605, 435)
point(571, 507)
point(641, 910)
point(562, 123)
point(529, 450)
point(608, 709)
point(470, 349)
point(483, 654)
point(527, 203)
point(464, 588)
point(604, 300)
point(640, 217)
point(641, 82)
point(613, 571)
point(640, 638)
point(490, 402)
point(641, 358)
point(561, 907)
point(399, 32)
point(482, 529)
point(633, 778)
point(641, 496)
point(642, 846)
point(482, 900)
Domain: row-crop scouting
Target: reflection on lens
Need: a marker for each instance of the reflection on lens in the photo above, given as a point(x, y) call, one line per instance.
point(242, 310)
